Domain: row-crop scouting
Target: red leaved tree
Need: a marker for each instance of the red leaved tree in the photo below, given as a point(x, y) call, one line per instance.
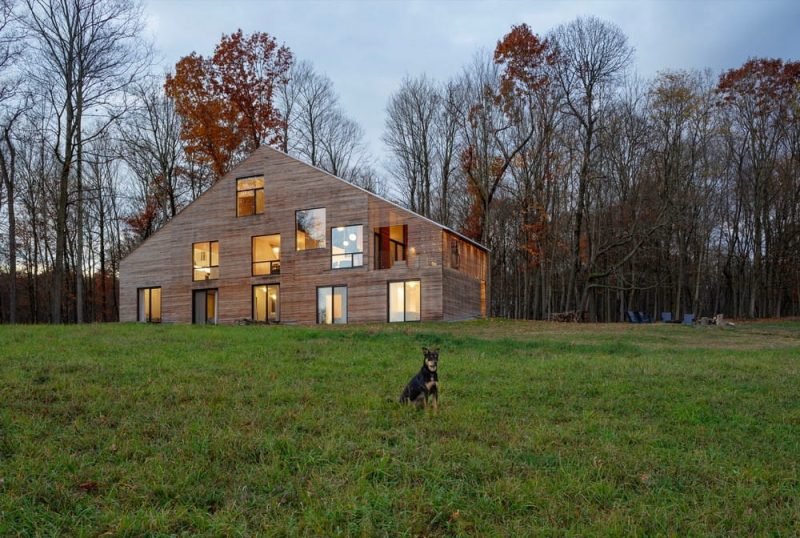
point(226, 101)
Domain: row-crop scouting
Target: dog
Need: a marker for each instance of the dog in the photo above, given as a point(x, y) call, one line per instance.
point(425, 384)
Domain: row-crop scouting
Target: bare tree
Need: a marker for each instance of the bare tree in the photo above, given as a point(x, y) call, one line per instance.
point(89, 51)
point(592, 57)
point(318, 131)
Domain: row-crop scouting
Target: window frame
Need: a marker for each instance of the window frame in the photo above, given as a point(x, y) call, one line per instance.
point(324, 228)
point(216, 305)
point(209, 260)
point(393, 247)
point(255, 195)
point(139, 304)
point(347, 306)
point(351, 254)
point(405, 300)
point(253, 263)
point(253, 302)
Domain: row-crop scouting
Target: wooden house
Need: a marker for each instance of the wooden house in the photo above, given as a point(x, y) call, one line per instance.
point(278, 240)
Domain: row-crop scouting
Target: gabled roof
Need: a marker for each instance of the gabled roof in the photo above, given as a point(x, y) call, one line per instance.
point(382, 199)
point(267, 149)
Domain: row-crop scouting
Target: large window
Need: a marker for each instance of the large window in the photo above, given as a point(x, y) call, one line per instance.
point(310, 229)
point(404, 301)
point(332, 304)
point(266, 303)
point(347, 247)
point(149, 300)
point(205, 259)
point(249, 196)
point(390, 245)
point(266, 255)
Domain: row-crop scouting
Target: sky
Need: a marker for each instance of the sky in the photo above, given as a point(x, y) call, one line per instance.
point(367, 47)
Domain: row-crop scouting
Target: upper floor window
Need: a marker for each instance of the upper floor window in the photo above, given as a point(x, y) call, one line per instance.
point(310, 229)
point(205, 260)
point(266, 255)
point(390, 245)
point(249, 196)
point(347, 247)
point(455, 256)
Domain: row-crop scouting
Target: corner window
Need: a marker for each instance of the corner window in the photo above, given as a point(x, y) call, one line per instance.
point(310, 229)
point(205, 260)
point(266, 303)
point(332, 304)
point(149, 305)
point(249, 196)
point(390, 246)
point(347, 247)
point(404, 301)
point(266, 255)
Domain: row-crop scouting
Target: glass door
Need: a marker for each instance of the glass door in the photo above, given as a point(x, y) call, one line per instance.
point(204, 307)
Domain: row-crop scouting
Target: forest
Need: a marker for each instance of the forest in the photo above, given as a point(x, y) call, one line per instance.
point(597, 191)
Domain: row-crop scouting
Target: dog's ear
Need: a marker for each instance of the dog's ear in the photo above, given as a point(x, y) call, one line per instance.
point(424, 350)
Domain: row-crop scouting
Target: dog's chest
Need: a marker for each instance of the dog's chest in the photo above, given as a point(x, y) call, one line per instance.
point(431, 383)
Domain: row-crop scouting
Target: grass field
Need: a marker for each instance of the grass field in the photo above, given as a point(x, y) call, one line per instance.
point(131, 430)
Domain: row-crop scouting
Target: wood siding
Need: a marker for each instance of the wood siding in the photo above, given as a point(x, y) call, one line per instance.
point(165, 259)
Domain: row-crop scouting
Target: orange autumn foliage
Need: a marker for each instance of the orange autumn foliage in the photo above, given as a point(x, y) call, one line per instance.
point(226, 101)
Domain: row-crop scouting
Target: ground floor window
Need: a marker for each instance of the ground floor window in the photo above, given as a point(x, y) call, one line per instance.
point(332, 304)
point(266, 303)
point(404, 301)
point(149, 302)
point(204, 306)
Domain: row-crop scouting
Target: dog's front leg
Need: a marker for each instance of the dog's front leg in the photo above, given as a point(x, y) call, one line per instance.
point(435, 400)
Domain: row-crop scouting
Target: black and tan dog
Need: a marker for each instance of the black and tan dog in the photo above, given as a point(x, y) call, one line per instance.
point(425, 384)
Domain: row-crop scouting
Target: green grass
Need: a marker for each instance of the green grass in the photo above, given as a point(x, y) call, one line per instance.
point(543, 429)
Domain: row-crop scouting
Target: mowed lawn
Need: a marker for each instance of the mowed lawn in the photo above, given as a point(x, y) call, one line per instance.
point(544, 429)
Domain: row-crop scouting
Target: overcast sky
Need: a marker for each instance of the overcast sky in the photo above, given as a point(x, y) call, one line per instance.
point(367, 47)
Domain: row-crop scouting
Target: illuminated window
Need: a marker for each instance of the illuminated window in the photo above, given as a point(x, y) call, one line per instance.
point(249, 196)
point(205, 260)
point(390, 245)
point(310, 229)
point(266, 303)
point(347, 247)
point(149, 310)
point(266, 253)
point(332, 304)
point(404, 301)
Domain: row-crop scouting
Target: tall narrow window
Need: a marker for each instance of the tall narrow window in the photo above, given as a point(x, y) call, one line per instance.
point(455, 256)
point(249, 196)
point(310, 229)
point(205, 260)
point(266, 303)
point(347, 247)
point(404, 301)
point(390, 245)
point(332, 304)
point(266, 255)
point(149, 310)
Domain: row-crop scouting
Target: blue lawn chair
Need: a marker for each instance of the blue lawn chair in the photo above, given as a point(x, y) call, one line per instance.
point(688, 319)
point(645, 317)
point(666, 317)
point(633, 317)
